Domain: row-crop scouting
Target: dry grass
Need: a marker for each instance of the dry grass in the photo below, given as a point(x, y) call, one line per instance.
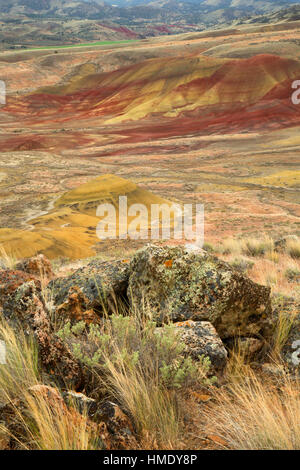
point(7, 260)
point(51, 426)
point(255, 247)
point(284, 325)
point(230, 246)
point(258, 259)
point(21, 370)
point(247, 246)
point(153, 408)
point(257, 414)
point(274, 274)
point(293, 248)
point(45, 423)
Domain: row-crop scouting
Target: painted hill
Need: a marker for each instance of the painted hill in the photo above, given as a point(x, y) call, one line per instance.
point(187, 94)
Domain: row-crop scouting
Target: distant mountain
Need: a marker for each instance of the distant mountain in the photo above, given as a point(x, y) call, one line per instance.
point(54, 22)
point(206, 12)
point(56, 8)
point(286, 14)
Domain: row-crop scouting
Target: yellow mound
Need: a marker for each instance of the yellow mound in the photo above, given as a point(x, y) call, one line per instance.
point(69, 229)
point(106, 189)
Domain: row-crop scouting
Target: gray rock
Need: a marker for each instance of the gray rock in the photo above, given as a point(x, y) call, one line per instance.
point(201, 338)
point(100, 282)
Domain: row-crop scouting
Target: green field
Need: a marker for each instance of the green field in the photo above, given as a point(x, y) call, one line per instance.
point(89, 44)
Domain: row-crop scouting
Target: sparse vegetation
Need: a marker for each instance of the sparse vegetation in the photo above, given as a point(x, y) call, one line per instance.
point(142, 368)
point(293, 248)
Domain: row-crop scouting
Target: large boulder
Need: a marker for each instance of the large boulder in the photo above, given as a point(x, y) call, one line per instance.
point(99, 281)
point(173, 284)
point(201, 339)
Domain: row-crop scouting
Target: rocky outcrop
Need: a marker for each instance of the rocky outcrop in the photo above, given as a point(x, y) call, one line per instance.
point(201, 339)
point(100, 282)
point(172, 284)
point(24, 307)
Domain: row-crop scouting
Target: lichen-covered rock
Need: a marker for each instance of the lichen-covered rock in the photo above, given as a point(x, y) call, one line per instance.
point(38, 265)
point(82, 403)
point(75, 308)
point(201, 339)
point(100, 282)
point(10, 281)
point(118, 425)
point(171, 283)
point(24, 307)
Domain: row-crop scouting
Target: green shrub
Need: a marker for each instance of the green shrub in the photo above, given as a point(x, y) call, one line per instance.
point(124, 338)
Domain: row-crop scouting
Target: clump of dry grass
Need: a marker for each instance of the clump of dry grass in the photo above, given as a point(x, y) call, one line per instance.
point(263, 264)
point(293, 248)
point(49, 425)
point(6, 260)
point(21, 369)
point(272, 274)
point(230, 246)
point(257, 414)
point(283, 327)
point(154, 410)
point(247, 246)
point(255, 247)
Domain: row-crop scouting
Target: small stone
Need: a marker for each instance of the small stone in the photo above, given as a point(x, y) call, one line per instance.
point(201, 338)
